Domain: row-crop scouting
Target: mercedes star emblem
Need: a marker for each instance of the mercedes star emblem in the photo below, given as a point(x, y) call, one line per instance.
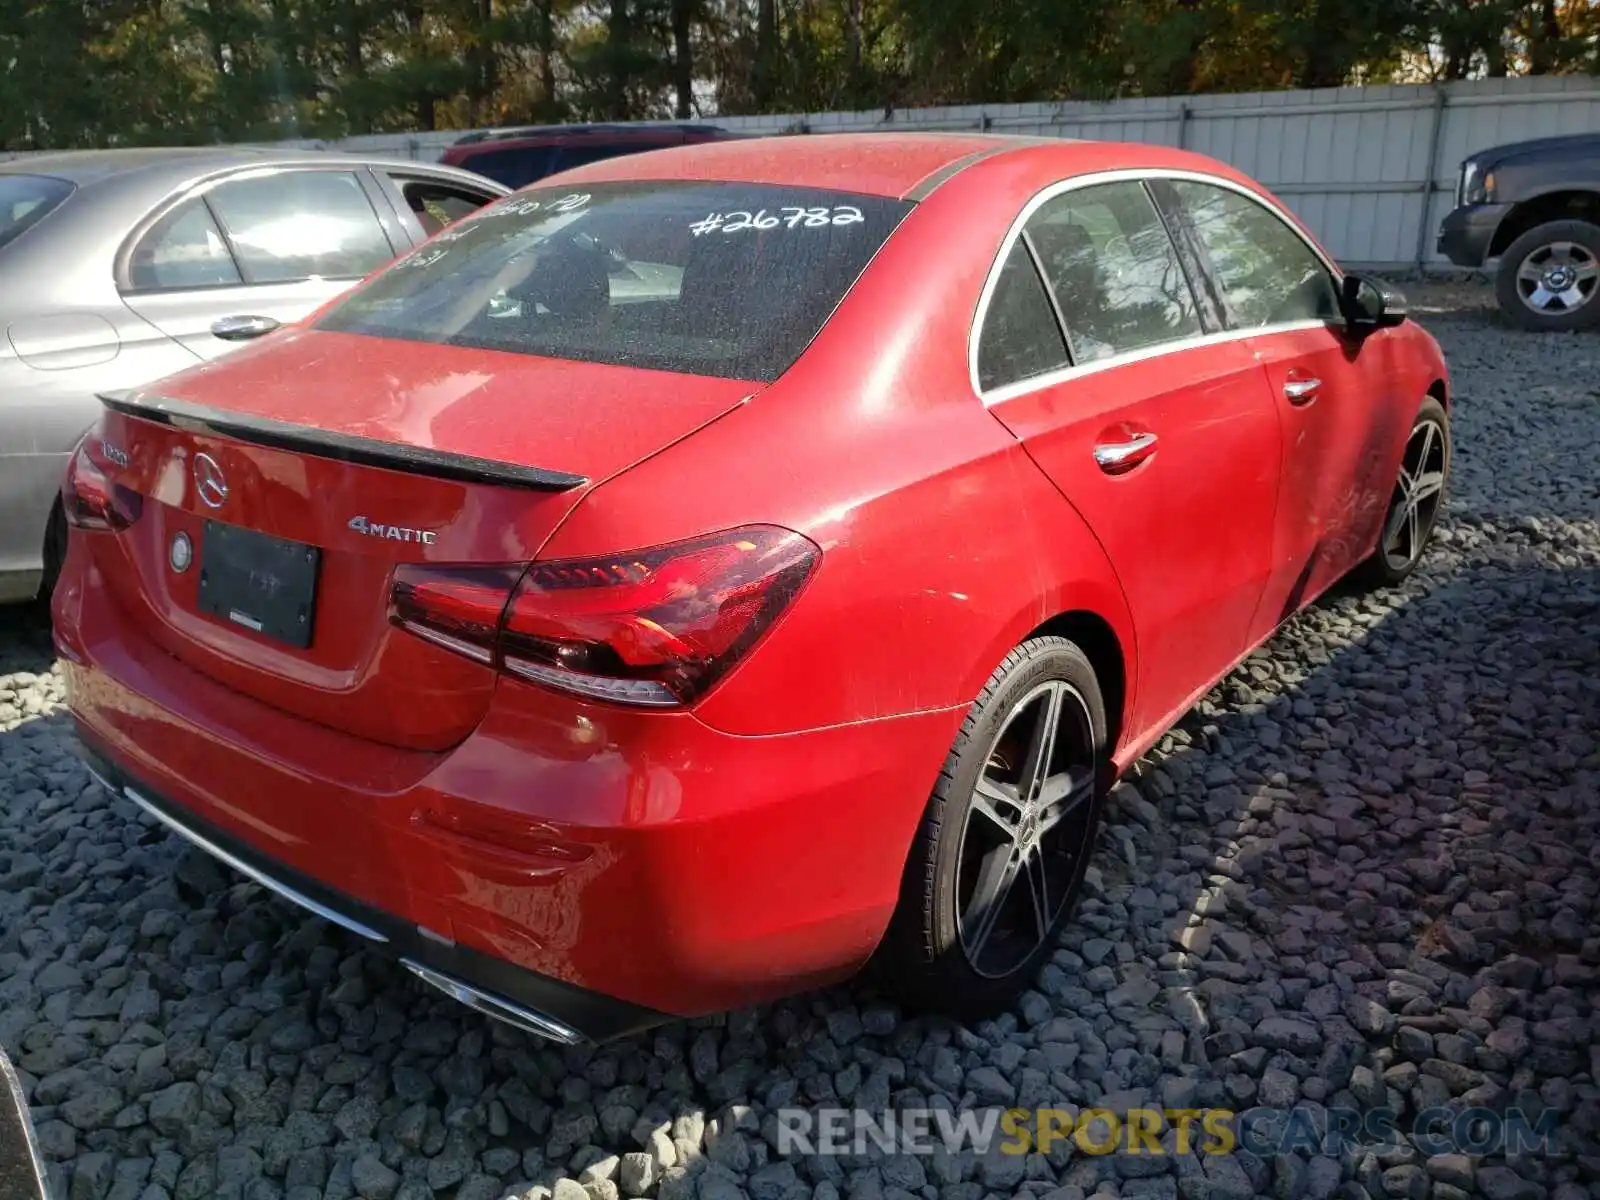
point(209, 482)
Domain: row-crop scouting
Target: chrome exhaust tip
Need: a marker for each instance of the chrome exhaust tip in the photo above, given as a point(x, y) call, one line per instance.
point(495, 1006)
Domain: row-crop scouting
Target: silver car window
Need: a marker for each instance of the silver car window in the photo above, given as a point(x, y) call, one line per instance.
point(184, 249)
point(292, 225)
point(25, 200)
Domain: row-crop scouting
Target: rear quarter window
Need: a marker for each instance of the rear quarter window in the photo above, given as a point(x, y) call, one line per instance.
point(714, 279)
point(25, 200)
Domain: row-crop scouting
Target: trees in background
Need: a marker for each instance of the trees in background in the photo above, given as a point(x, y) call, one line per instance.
point(99, 72)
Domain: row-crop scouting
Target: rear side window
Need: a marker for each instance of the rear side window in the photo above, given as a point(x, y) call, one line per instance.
point(1021, 337)
point(184, 249)
point(437, 205)
point(25, 200)
point(292, 225)
point(515, 168)
point(1114, 271)
point(717, 279)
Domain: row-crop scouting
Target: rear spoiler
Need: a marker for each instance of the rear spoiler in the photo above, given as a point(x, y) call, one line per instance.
point(342, 447)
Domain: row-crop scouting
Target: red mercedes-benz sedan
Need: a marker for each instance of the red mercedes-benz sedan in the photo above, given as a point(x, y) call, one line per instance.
point(710, 569)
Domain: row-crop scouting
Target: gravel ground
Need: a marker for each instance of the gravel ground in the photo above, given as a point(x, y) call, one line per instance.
point(1363, 872)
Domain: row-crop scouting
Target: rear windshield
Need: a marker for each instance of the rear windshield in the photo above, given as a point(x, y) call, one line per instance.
point(25, 200)
point(702, 278)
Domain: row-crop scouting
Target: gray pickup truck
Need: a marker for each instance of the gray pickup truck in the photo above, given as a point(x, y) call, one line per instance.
point(1535, 206)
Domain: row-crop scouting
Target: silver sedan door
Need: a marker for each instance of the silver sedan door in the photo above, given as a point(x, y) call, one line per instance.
point(258, 249)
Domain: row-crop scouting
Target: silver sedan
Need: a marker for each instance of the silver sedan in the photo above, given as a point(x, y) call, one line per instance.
point(118, 267)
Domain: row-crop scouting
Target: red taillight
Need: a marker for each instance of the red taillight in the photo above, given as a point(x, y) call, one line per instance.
point(657, 628)
point(90, 498)
point(458, 608)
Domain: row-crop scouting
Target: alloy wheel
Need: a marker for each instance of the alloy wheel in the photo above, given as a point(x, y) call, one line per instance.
point(1558, 278)
point(1028, 829)
point(1417, 495)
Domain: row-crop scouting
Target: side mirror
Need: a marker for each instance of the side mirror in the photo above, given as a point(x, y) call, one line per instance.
point(22, 1170)
point(243, 329)
point(1369, 305)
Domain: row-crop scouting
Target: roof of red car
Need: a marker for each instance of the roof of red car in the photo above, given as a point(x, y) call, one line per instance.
point(885, 164)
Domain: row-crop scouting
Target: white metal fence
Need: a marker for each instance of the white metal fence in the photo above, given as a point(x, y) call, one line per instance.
point(1371, 170)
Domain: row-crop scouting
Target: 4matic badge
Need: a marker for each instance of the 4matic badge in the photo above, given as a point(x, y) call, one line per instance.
point(393, 533)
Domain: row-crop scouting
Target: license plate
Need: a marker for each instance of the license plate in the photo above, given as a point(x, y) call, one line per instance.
point(258, 582)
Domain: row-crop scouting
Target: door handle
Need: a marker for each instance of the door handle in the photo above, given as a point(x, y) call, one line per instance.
point(1301, 389)
point(1115, 457)
point(242, 329)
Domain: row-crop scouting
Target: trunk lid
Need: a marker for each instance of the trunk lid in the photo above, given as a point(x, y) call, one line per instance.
point(351, 455)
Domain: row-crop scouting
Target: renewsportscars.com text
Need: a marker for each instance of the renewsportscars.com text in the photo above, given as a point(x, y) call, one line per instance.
point(1155, 1131)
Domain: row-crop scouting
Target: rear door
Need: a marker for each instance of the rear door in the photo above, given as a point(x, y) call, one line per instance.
point(1162, 436)
point(273, 244)
point(1327, 388)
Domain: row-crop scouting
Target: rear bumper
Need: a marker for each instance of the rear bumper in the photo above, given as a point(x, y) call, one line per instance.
point(1467, 233)
point(604, 868)
point(547, 1007)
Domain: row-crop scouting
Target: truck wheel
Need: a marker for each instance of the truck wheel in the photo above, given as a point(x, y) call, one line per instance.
point(1550, 276)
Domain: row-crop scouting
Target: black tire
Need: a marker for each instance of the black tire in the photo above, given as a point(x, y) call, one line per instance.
point(1397, 556)
point(55, 552)
point(1573, 245)
point(926, 957)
